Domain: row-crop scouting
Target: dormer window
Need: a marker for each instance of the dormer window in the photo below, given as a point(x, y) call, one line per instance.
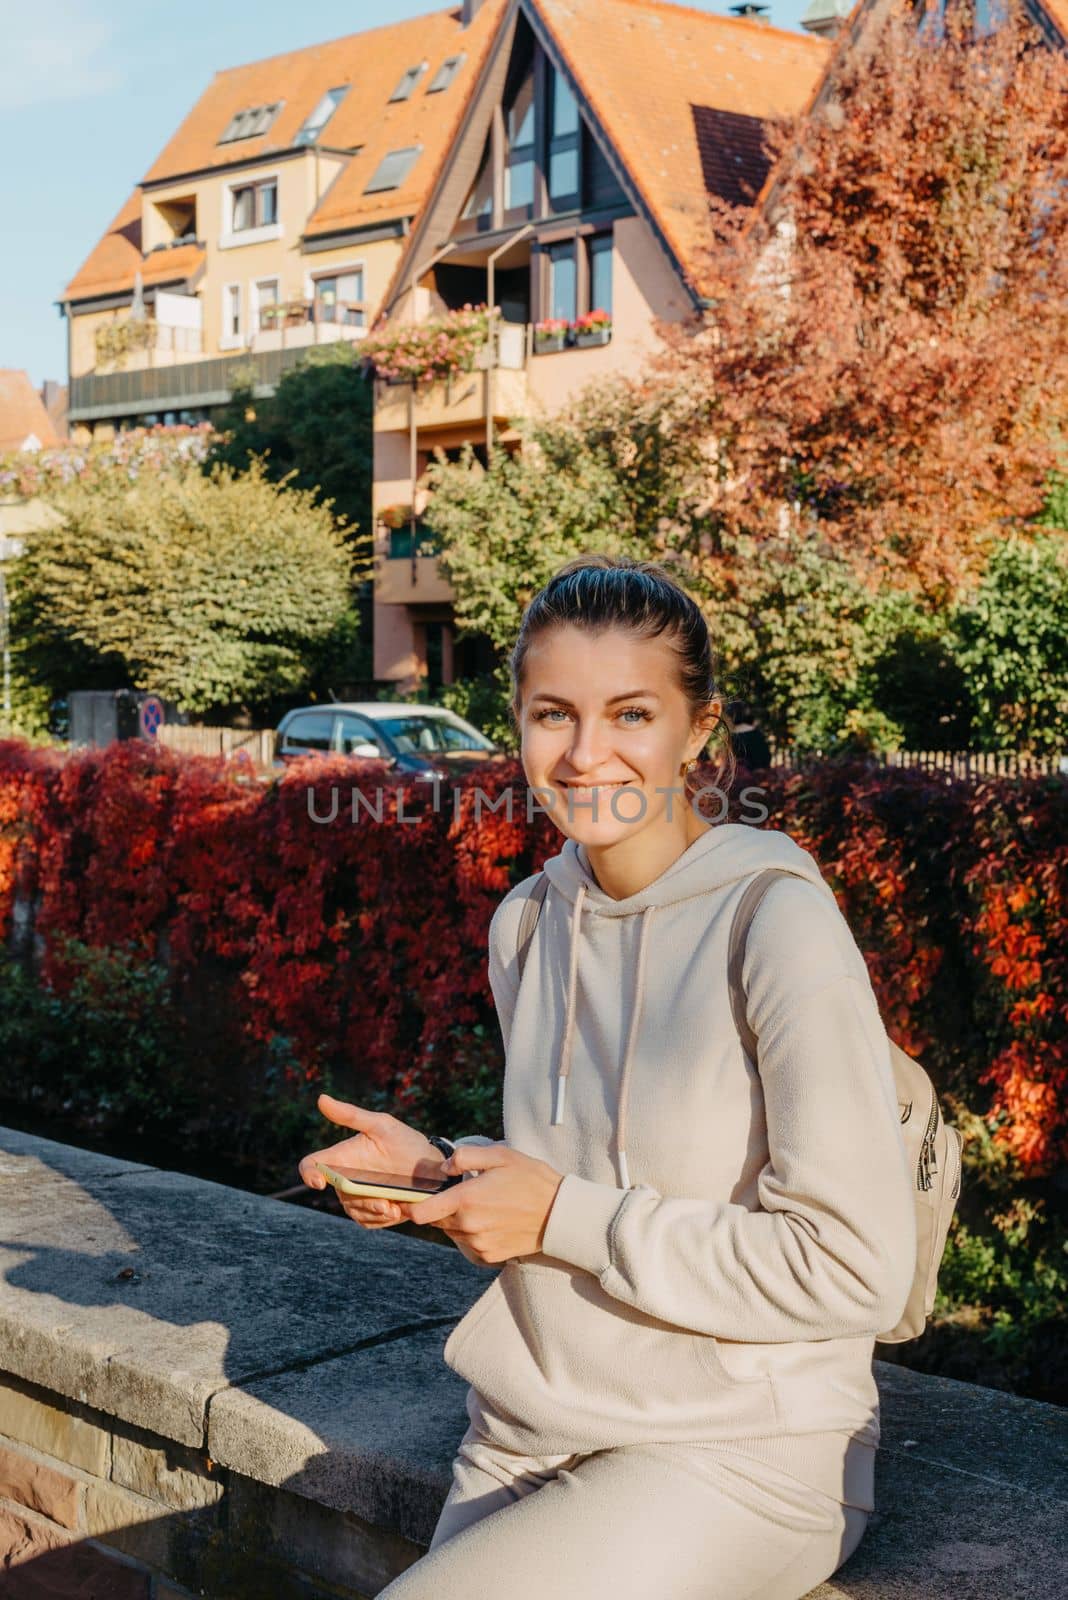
point(314, 125)
point(445, 74)
point(251, 123)
point(393, 169)
point(409, 81)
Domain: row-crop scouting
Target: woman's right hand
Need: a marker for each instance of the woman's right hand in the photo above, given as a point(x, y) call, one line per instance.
point(381, 1143)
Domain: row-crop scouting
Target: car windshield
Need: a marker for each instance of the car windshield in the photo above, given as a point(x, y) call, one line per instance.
point(431, 734)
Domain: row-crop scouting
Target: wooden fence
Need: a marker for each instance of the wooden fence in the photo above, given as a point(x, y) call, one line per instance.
point(257, 744)
point(961, 763)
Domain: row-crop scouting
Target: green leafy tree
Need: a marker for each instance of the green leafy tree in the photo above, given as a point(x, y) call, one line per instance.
point(313, 432)
point(1010, 641)
point(208, 590)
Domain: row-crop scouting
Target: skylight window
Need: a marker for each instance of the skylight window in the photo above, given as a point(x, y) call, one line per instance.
point(250, 123)
point(445, 74)
point(393, 169)
point(314, 125)
point(409, 81)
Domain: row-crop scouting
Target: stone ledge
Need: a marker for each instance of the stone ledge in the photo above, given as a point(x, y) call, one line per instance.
point(234, 1325)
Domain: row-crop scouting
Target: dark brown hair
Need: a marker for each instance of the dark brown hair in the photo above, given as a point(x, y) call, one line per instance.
point(602, 591)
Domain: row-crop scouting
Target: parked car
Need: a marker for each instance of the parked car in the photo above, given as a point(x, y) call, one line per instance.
point(416, 740)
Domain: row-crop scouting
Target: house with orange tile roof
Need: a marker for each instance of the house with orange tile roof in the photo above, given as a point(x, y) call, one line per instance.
point(573, 197)
point(273, 219)
point(24, 420)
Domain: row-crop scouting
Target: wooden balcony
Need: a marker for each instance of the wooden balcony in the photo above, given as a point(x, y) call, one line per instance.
point(457, 402)
point(406, 570)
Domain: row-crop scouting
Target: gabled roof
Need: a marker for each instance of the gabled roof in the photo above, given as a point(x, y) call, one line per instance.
point(371, 64)
point(657, 75)
point(22, 413)
point(679, 95)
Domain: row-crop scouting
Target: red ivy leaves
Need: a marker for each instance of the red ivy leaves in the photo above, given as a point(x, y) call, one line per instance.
point(365, 943)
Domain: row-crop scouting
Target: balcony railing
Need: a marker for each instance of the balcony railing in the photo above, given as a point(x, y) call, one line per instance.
point(135, 342)
point(316, 312)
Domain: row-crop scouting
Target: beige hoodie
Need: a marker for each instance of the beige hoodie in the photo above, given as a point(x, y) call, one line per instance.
point(725, 1243)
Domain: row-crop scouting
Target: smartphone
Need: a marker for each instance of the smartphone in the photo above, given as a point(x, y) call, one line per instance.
point(384, 1185)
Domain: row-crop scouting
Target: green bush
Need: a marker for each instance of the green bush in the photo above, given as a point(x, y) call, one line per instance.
point(206, 590)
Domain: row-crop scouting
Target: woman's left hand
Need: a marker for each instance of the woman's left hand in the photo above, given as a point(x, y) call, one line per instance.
point(501, 1213)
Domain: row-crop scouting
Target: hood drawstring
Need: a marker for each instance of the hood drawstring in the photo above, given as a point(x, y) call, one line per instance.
point(569, 1020)
point(569, 1026)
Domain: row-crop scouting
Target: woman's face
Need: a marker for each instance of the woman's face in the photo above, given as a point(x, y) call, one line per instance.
point(600, 712)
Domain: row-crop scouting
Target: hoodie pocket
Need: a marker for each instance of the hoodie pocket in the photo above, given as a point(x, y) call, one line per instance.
point(567, 1367)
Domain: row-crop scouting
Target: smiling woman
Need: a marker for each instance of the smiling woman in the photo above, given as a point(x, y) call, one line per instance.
point(682, 1358)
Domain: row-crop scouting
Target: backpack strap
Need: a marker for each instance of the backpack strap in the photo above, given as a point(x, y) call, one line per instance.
point(529, 920)
point(744, 913)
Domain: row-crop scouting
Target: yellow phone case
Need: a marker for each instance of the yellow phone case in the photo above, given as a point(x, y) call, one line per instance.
point(375, 1191)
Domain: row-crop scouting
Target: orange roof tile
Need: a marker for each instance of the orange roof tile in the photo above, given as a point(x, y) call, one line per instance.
point(428, 120)
point(22, 412)
point(112, 265)
point(373, 63)
point(657, 75)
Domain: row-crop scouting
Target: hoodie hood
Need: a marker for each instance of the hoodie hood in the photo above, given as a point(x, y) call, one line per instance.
point(716, 859)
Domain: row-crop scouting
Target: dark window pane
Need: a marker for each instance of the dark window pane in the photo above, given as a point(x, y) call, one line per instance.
point(565, 117)
point(519, 184)
point(408, 82)
point(598, 181)
point(601, 272)
point(563, 280)
point(563, 173)
point(393, 169)
point(353, 731)
point(445, 74)
point(310, 731)
point(268, 204)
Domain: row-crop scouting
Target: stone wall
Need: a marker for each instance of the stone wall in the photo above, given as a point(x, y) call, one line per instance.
point(205, 1392)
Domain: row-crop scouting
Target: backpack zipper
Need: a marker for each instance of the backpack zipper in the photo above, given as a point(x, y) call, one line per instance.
point(928, 1164)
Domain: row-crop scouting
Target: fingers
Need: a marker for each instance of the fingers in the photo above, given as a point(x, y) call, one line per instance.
point(310, 1174)
point(371, 1213)
point(347, 1115)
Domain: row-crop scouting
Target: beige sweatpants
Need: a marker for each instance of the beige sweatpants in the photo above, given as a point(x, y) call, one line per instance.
point(636, 1522)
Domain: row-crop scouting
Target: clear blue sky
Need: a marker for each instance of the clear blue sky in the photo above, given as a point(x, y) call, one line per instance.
point(91, 90)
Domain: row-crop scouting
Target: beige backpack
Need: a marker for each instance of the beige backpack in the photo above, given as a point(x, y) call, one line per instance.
point(934, 1148)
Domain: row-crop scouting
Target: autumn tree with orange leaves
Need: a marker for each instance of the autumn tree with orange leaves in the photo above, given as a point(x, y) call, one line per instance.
point(883, 369)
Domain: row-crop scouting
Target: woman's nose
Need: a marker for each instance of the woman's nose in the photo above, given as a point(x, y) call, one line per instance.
point(589, 746)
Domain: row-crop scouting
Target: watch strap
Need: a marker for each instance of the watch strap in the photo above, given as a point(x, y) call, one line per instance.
point(446, 1146)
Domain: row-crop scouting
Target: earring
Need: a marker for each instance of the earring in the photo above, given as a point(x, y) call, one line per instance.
point(686, 768)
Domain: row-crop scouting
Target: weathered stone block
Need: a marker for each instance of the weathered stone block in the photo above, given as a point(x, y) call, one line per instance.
point(336, 1546)
point(42, 1562)
point(172, 1474)
point(130, 1523)
point(33, 1416)
point(30, 1483)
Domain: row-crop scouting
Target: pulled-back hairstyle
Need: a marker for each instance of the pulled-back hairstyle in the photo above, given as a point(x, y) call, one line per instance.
point(602, 591)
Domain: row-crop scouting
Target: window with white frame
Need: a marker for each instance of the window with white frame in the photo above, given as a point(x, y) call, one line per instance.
point(253, 205)
point(266, 303)
point(339, 297)
point(231, 324)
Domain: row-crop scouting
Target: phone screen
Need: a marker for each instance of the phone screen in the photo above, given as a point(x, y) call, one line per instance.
point(393, 1180)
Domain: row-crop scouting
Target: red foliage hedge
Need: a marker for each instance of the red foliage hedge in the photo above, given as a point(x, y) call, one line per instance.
point(364, 943)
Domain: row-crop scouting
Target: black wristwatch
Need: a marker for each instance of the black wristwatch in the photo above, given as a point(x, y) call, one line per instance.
point(446, 1146)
